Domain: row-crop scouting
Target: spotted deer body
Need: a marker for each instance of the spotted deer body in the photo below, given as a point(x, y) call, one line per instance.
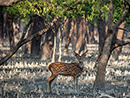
point(67, 69)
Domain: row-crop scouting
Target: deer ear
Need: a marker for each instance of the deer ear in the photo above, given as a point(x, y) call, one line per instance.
point(84, 54)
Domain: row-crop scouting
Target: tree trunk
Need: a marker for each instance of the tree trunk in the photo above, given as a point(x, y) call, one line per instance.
point(108, 46)
point(105, 53)
point(104, 57)
point(101, 30)
point(91, 33)
point(47, 46)
point(67, 26)
point(5, 25)
point(69, 38)
point(56, 26)
point(27, 49)
point(60, 49)
point(74, 35)
point(1, 26)
point(16, 30)
point(84, 34)
point(80, 44)
point(10, 31)
point(119, 35)
point(35, 44)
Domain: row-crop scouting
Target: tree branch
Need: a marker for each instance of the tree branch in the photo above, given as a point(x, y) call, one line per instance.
point(128, 4)
point(25, 30)
point(110, 15)
point(123, 17)
point(119, 43)
point(123, 29)
point(23, 41)
point(8, 2)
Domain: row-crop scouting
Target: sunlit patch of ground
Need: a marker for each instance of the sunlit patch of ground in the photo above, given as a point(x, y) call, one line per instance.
point(25, 77)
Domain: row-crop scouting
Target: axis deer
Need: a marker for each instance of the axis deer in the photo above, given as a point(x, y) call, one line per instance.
point(68, 69)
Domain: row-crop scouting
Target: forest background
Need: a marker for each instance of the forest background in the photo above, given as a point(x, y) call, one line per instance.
point(45, 29)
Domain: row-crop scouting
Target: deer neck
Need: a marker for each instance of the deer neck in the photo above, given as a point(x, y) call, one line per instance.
point(81, 64)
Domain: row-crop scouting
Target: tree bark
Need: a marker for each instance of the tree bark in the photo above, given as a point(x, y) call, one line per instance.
point(84, 34)
point(10, 31)
point(47, 46)
point(16, 30)
point(101, 30)
point(35, 44)
point(91, 33)
point(74, 35)
point(69, 38)
point(27, 49)
point(1, 26)
point(67, 26)
point(80, 44)
point(5, 25)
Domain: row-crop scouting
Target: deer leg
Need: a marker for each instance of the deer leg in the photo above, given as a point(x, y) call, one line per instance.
point(76, 83)
point(49, 81)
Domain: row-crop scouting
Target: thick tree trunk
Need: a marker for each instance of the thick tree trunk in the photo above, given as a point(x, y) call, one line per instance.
point(99, 83)
point(69, 38)
point(108, 46)
point(101, 30)
point(119, 35)
point(80, 44)
point(56, 26)
point(47, 46)
point(104, 57)
point(67, 26)
point(10, 31)
point(1, 26)
point(35, 44)
point(27, 49)
point(60, 39)
point(5, 25)
point(74, 35)
point(16, 30)
point(91, 33)
point(84, 34)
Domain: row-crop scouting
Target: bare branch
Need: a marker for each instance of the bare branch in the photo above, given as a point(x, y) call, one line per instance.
point(123, 29)
point(120, 20)
point(119, 43)
point(8, 2)
point(123, 17)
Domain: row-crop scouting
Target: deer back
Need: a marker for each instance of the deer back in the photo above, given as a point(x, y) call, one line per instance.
point(60, 68)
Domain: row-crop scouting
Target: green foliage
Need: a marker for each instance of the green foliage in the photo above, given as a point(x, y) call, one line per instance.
point(53, 8)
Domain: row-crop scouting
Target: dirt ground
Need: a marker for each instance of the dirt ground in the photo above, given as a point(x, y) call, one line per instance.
point(24, 77)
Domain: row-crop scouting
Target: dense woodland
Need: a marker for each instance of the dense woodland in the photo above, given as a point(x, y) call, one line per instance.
point(47, 30)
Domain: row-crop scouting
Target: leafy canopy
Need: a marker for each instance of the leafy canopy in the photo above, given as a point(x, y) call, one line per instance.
point(53, 8)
